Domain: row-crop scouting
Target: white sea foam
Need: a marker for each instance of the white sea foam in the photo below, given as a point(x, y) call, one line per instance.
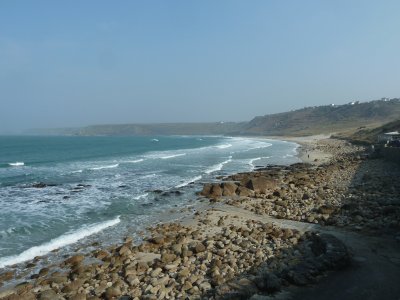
point(223, 146)
point(173, 155)
point(17, 164)
point(218, 167)
point(149, 176)
point(262, 146)
point(66, 239)
point(189, 181)
point(141, 196)
point(77, 171)
point(164, 154)
point(265, 145)
point(135, 161)
point(7, 232)
point(105, 167)
point(251, 162)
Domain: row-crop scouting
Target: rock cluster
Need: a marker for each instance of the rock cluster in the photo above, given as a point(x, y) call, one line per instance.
point(299, 266)
point(183, 262)
point(178, 262)
point(347, 191)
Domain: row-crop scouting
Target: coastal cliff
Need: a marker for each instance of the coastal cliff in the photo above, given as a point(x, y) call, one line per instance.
point(301, 122)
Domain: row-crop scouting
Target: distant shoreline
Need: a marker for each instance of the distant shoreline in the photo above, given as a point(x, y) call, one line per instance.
point(307, 151)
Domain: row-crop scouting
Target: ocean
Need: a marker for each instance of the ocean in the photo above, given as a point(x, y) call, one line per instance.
point(67, 192)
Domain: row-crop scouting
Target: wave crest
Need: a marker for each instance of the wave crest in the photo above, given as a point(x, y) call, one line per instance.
point(17, 164)
point(135, 161)
point(218, 167)
point(189, 181)
point(105, 167)
point(224, 146)
point(66, 239)
point(140, 196)
point(173, 155)
point(251, 162)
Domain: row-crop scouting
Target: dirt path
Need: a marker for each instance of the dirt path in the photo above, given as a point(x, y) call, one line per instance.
point(374, 273)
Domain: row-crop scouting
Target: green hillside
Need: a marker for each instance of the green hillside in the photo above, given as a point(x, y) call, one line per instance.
point(370, 136)
point(345, 119)
point(325, 119)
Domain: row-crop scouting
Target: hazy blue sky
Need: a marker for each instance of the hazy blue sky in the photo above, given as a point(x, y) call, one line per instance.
point(72, 63)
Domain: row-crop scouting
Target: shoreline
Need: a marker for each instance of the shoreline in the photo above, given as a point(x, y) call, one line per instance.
point(251, 241)
point(186, 217)
point(164, 216)
point(308, 151)
point(45, 261)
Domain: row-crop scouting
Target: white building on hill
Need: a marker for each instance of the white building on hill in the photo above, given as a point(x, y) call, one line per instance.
point(389, 136)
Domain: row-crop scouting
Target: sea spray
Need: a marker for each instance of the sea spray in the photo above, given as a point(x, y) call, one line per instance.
point(64, 240)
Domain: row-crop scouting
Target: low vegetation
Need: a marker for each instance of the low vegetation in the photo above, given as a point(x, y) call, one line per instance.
point(328, 119)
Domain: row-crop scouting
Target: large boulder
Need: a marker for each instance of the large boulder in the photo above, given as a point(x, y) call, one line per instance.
point(260, 184)
point(206, 189)
point(215, 191)
point(73, 286)
point(48, 295)
point(244, 192)
point(229, 188)
point(211, 190)
point(326, 209)
point(168, 258)
point(75, 260)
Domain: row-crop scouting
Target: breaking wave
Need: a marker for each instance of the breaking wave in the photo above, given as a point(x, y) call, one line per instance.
point(135, 161)
point(173, 155)
point(189, 181)
point(218, 167)
point(61, 241)
point(223, 146)
point(17, 164)
point(140, 196)
point(105, 167)
point(251, 162)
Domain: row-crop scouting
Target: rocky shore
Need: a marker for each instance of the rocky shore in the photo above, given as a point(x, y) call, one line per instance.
point(263, 233)
point(348, 191)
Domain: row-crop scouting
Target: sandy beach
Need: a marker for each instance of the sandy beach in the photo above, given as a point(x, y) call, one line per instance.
point(309, 150)
point(326, 228)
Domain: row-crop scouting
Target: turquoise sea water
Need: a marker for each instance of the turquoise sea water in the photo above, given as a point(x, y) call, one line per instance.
point(57, 191)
